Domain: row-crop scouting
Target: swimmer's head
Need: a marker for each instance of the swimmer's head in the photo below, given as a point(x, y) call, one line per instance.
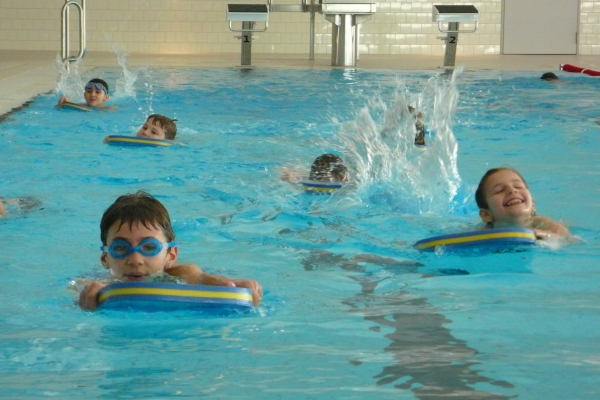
point(504, 199)
point(158, 127)
point(549, 76)
point(96, 93)
point(137, 208)
point(137, 238)
point(328, 168)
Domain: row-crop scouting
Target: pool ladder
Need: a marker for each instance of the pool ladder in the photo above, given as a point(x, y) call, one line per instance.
point(66, 58)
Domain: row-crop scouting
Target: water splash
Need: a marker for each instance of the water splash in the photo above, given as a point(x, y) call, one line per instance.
point(389, 168)
point(124, 86)
point(69, 81)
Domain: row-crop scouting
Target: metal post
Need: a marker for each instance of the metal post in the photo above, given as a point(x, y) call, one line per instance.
point(335, 22)
point(451, 42)
point(344, 54)
point(356, 36)
point(311, 52)
point(247, 27)
point(65, 31)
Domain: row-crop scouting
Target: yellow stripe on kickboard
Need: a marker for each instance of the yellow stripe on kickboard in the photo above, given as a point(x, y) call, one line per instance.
point(175, 293)
point(319, 189)
point(138, 141)
point(477, 238)
point(77, 106)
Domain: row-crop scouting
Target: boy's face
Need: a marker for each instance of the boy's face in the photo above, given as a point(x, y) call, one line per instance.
point(152, 131)
point(508, 198)
point(135, 266)
point(95, 97)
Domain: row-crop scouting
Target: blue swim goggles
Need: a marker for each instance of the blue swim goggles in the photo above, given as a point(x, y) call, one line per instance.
point(97, 85)
point(148, 247)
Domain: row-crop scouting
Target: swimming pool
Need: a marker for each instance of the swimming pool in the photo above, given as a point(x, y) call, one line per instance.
point(351, 310)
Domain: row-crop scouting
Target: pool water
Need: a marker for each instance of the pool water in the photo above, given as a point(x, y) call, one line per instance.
point(351, 310)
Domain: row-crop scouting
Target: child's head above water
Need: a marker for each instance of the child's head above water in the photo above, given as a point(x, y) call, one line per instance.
point(549, 76)
point(504, 199)
point(158, 127)
point(96, 93)
point(137, 237)
point(329, 168)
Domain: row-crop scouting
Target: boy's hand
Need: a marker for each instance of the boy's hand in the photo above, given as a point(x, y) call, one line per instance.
point(88, 298)
point(257, 292)
point(217, 280)
point(192, 274)
point(62, 100)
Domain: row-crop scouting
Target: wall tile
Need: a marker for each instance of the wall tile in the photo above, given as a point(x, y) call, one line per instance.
point(188, 26)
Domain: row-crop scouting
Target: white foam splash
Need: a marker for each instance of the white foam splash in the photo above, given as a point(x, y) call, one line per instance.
point(389, 168)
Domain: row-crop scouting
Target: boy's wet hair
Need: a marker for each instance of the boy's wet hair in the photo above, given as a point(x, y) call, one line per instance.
point(328, 167)
point(549, 76)
point(166, 123)
point(480, 192)
point(100, 81)
point(139, 207)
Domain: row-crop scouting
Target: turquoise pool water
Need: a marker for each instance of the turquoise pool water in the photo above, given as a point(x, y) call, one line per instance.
point(351, 310)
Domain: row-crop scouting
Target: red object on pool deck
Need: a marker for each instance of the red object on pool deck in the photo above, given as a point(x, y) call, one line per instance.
point(572, 68)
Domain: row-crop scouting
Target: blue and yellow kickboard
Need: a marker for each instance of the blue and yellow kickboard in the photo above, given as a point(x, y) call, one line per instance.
point(321, 187)
point(75, 106)
point(171, 296)
point(118, 140)
point(493, 238)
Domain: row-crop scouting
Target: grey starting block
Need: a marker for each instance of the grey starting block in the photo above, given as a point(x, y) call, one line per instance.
point(453, 15)
point(248, 15)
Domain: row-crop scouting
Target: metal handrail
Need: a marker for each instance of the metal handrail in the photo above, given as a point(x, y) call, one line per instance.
point(65, 30)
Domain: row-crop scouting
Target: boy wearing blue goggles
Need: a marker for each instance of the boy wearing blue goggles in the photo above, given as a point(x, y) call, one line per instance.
point(138, 245)
point(95, 94)
point(148, 247)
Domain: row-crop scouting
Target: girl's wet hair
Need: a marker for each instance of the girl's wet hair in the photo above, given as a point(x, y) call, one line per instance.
point(139, 207)
point(328, 167)
point(166, 123)
point(480, 192)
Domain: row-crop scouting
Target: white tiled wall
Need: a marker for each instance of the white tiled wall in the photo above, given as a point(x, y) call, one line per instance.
point(199, 26)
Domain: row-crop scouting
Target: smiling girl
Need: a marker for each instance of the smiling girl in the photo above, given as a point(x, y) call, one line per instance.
point(504, 200)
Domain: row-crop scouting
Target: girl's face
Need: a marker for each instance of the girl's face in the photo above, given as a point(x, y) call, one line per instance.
point(509, 200)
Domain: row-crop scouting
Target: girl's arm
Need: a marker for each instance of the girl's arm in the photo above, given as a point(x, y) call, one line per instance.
point(543, 226)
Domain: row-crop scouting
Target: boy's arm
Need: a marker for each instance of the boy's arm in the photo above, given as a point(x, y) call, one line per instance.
point(290, 175)
point(88, 298)
point(193, 274)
